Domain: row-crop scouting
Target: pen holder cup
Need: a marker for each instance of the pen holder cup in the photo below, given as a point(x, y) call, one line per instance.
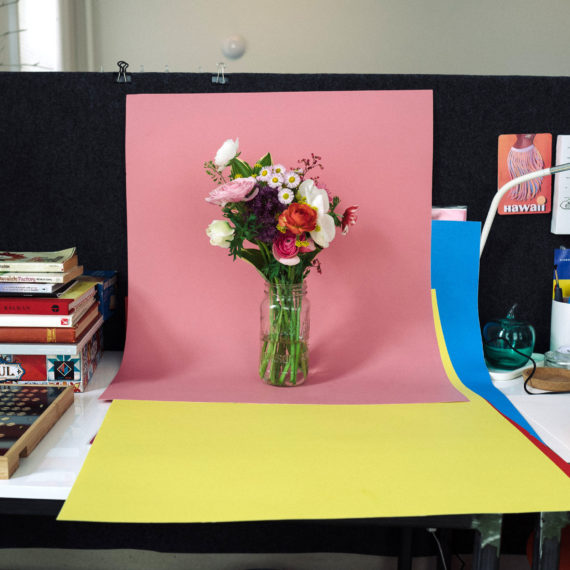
point(559, 325)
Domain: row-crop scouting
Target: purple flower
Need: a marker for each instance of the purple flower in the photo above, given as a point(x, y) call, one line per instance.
point(266, 208)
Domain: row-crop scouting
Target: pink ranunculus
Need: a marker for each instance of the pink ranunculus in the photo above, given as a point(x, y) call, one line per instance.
point(285, 249)
point(238, 190)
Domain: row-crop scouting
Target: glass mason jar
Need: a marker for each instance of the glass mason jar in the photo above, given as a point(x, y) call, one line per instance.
point(284, 357)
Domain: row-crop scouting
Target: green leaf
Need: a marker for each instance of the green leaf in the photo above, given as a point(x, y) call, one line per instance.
point(240, 168)
point(307, 258)
point(245, 228)
point(254, 256)
point(337, 220)
point(265, 160)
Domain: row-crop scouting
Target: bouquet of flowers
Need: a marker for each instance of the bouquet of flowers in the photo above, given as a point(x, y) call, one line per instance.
point(279, 220)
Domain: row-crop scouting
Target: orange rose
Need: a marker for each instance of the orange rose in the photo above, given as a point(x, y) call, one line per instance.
point(298, 218)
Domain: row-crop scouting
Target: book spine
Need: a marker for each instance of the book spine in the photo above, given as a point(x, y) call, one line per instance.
point(37, 334)
point(34, 306)
point(35, 320)
point(26, 288)
point(31, 277)
point(50, 348)
point(37, 348)
point(33, 267)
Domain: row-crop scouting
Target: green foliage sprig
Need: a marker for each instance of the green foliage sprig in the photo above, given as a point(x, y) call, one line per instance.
point(211, 170)
point(245, 228)
point(337, 220)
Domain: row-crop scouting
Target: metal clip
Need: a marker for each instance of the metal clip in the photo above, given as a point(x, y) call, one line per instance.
point(123, 76)
point(220, 77)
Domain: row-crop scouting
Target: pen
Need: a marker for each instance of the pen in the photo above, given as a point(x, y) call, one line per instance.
point(557, 288)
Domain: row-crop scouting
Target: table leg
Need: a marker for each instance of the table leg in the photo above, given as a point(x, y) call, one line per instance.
point(546, 550)
point(405, 554)
point(487, 546)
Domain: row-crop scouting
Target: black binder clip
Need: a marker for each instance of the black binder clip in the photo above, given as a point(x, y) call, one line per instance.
point(123, 76)
point(220, 78)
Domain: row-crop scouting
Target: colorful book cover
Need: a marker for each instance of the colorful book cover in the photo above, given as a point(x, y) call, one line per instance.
point(38, 261)
point(54, 369)
point(561, 274)
point(522, 154)
point(23, 277)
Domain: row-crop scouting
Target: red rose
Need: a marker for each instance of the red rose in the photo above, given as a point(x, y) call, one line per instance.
point(298, 218)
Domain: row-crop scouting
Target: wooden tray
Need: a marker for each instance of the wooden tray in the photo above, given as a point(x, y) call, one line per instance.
point(27, 413)
point(550, 379)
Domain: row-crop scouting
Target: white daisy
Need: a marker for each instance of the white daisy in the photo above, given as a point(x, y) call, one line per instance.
point(292, 179)
point(275, 180)
point(285, 196)
point(279, 169)
point(265, 174)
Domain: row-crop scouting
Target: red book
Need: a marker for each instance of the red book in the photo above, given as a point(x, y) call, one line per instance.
point(51, 334)
point(79, 291)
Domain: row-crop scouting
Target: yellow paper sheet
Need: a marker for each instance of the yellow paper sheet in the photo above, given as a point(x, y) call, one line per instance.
point(201, 462)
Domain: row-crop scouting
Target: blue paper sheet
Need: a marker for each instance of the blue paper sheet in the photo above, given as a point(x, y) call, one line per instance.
point(455, 277)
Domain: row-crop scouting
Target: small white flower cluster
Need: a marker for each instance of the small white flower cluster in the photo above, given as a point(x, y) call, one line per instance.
point(281, 179)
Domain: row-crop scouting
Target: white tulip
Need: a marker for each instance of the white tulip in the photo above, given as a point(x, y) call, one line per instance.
point(225, 153)
point(325, 231)
point(317, 198)
point(220, 233)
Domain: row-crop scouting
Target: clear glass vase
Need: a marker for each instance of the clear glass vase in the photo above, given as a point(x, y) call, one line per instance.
point(284, 358)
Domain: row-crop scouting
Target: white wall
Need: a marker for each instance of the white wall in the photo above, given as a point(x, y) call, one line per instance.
point(40, 45)
point(504, 37)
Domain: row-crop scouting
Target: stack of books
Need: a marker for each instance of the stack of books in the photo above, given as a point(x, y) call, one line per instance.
point(50, 323)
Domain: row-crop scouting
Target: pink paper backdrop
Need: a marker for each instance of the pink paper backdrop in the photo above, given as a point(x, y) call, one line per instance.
point(193, 319)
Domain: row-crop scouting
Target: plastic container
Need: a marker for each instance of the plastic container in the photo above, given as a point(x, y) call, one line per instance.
point(558, 358)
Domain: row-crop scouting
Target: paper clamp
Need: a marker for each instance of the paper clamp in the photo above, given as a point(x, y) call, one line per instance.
point(220, 78)
point(123, 76)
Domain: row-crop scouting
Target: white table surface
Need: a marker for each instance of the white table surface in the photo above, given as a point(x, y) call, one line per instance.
point(548, 414)
point(51, 469)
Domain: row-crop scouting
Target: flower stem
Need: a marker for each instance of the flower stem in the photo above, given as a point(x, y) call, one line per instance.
point(283, 359)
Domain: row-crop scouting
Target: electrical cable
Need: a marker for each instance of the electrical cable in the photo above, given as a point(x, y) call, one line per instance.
point(525, 385)
point(511, 346)
point(432, 532)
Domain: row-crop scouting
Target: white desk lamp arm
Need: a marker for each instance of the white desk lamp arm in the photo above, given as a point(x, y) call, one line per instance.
point(504, 189)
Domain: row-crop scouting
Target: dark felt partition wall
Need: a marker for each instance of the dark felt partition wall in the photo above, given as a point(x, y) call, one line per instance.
point(62, 178)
